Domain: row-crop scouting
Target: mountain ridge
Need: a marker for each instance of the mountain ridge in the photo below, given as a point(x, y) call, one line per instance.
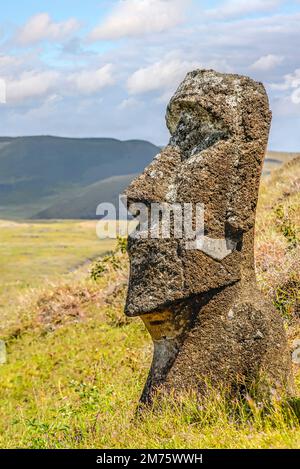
point(38, 172)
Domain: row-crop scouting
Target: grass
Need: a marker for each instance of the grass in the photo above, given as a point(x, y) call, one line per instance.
point(76, 366)
point(277, 239)
point(34, 254)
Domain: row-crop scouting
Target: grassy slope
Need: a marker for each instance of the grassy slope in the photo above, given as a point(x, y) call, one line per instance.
point(76, 366)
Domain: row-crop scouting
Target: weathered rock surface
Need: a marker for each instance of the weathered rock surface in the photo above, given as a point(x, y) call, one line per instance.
point(199, 300)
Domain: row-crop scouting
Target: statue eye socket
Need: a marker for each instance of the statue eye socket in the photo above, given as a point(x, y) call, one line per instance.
point(194, 135)
point(194, 128)
point(209, 140)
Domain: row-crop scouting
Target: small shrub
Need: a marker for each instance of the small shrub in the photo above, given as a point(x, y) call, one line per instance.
point(101, 266)
point(111, 261)
point(88, 394)
point(286, 226)
point(122, 244)
point(287, 297)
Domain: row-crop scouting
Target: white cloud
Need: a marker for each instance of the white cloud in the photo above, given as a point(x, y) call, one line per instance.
point(164, 74)
point(267, 62)
point(41, 26)
point(140, 17)
point(295, 96)
point(31, 85)
point(289, 88)
point(91, 81)
point(235, 8)
point(247, 33)
point(290, 80)
point(129, 103)
point(7, 61)
point(53, 85)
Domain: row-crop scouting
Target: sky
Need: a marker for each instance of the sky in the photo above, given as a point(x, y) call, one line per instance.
point(107, 68)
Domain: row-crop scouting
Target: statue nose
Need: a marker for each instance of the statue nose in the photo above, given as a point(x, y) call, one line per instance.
point(153, 184)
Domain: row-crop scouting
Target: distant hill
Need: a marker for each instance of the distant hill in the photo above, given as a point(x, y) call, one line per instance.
point(274, 159)
point(53, 177)
point(48, 176)
point(84, 203)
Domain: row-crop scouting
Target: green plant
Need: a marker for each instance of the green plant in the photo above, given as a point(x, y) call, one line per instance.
point(287, 297)
point(286, 226)
point(101, 266)
point(122, 244)
point(111, 261)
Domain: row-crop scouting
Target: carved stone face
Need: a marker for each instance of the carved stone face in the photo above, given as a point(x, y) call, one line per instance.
point(219, 125)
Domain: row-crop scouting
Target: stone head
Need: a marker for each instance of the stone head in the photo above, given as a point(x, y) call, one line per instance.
point(219, 126)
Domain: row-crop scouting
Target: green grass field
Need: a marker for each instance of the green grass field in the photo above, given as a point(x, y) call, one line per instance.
point(36, 253)
point(76, 365)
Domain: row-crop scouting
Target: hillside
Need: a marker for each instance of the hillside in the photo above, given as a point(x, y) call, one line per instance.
point(76, 365)
point(82, 204)
point(40, 172)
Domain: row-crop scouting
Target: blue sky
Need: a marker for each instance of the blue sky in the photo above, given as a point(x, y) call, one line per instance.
point(108, 68)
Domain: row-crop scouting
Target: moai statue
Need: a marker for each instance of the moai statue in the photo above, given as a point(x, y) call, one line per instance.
point(198, 296)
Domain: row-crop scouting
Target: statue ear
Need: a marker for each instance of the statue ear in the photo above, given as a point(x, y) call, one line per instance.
point(243, 197)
